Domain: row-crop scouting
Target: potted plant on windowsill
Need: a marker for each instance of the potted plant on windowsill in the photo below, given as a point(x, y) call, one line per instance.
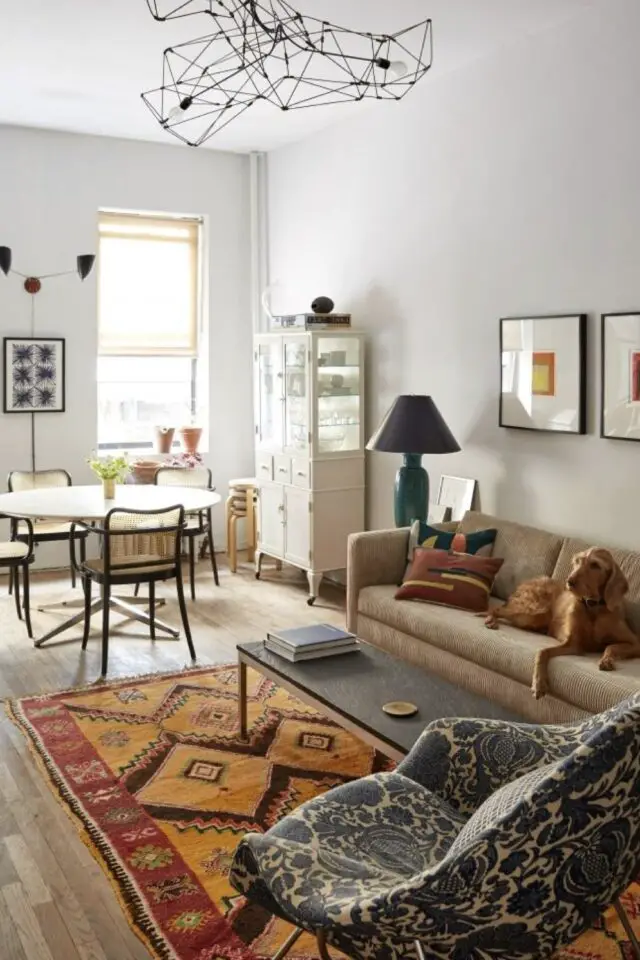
point(111, 470)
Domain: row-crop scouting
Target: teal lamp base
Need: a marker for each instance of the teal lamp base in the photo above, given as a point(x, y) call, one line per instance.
point(411, 497)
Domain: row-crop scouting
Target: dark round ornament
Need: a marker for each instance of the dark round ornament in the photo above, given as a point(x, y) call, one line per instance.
point(322, 305)
point(32, 285)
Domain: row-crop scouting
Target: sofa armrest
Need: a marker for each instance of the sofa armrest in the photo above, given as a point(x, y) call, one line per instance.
point(373, 558)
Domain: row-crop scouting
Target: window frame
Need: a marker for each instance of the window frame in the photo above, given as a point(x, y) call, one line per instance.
point(199, 360)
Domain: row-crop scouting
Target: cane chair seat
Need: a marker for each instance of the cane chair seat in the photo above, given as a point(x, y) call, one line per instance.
point(12, 550)
point(47, 528)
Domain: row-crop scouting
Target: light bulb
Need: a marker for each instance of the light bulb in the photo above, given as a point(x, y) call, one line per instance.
point(397, 69)
point(180, 108)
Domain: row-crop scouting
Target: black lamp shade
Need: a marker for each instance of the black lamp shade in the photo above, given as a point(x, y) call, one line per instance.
point(413, 425)
point(5, 259)
point(85, 264)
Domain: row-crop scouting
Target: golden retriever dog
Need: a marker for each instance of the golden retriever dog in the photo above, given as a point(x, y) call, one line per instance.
point(585, 614)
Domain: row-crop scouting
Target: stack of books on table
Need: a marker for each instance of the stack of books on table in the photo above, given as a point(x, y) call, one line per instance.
point(310, 643)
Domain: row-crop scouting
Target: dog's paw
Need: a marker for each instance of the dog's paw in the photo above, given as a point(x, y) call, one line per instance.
point(607, 664)
point(491, 623)
point(539, 687)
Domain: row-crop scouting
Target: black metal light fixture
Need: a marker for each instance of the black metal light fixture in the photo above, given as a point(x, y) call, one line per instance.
point(265, 50)
point(84, 266)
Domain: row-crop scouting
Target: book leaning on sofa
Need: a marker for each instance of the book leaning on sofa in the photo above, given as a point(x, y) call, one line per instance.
point(310, 643)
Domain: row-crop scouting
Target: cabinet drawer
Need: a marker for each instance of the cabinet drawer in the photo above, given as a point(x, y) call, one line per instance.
point(301, 473)
point(282, 469)
point(264, 466)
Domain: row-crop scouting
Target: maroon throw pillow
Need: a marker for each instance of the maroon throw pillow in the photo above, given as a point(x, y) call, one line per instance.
point(453, 579)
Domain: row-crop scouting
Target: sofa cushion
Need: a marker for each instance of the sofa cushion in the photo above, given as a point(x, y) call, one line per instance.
point(425, 535)
point(527, 552)
point(454, 579)
point(507, 651)
point(627, 560)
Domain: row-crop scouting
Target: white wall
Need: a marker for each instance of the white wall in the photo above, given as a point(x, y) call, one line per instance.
point(51, 187)
point(509, 188)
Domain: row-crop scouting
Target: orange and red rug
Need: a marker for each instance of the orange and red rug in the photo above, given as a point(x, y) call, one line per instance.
point(162, 790)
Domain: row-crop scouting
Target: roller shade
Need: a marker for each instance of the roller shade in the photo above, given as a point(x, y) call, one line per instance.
point(147, 285)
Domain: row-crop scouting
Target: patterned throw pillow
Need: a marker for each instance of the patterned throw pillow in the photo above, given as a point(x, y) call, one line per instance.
point(422, 534)
point(453, 579)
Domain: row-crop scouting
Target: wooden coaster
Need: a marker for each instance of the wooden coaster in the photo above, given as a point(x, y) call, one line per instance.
point(400, 708)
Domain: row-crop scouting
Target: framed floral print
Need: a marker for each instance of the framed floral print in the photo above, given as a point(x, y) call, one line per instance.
point(33, 375)
point(543, 373)
point(620, 387)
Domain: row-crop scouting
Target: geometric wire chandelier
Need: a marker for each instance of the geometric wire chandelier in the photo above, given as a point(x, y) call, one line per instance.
point(264, 50)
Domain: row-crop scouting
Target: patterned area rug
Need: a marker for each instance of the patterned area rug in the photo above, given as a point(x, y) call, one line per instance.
point(162, 790)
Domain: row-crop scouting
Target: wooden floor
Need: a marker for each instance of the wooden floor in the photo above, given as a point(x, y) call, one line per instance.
point(55, 902)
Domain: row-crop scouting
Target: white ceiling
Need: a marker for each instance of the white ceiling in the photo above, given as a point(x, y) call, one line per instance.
point(80, 65)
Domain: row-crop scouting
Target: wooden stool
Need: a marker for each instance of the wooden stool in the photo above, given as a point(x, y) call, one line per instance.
point(241, 505)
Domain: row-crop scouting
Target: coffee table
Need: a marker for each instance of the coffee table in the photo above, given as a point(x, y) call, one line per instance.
point(351, 688)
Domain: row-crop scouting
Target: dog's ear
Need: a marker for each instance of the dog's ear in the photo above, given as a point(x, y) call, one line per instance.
point(615, 587)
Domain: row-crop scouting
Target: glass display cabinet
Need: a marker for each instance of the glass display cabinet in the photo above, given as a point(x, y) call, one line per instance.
point(309, 392)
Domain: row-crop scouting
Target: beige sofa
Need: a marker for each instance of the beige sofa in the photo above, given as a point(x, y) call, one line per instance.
point(457, 646)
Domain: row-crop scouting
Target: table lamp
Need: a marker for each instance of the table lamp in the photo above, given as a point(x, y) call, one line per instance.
point(413, 423)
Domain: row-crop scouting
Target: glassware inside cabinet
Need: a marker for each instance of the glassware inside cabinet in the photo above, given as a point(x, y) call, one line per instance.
point(269, 394)
point(339, 401)
point(296, 409)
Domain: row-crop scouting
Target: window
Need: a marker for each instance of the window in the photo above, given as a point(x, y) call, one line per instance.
point(151, 357)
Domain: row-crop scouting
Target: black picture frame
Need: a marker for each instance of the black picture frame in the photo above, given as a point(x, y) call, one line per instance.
point(35, 381)
point(604, 378)
point(581, 360)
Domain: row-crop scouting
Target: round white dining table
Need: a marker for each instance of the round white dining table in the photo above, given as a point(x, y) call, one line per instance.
point(88, 504)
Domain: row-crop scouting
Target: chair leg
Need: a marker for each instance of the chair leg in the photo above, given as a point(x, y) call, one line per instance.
point(136, 590)
point(26, 601)
point(86, 583)
point(212, 550)
point(628, 929)
point(232, 545)
point(10, 580)
point(152, 609)
point(105, 632)
point(321, 939)
point(83, 549)
point(72, 568)
point(183, 613)
point(289, 942)
point(16, 590)
point(192, 566)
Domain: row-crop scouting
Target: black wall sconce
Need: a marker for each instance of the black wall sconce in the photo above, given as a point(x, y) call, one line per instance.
point(84, 266)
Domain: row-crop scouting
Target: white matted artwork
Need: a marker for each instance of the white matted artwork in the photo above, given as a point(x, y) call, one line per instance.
point(620, 397)
point(457, 493)
point(543, 362)
point(438, 513)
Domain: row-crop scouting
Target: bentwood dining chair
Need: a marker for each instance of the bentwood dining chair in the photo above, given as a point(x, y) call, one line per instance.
point(198, 524)
point(16, 555)
point(137, 546)
point(44, 531)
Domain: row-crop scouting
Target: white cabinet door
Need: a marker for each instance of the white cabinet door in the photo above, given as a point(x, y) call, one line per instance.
point(271, 519)
point(298, 524)
point(268, 393)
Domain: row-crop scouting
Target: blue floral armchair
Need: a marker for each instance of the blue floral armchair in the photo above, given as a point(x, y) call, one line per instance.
point(490, 839)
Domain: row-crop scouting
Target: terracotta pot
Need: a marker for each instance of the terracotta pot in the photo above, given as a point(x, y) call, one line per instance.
point(190, 438)
point(163, 439)
point(109, 488)
point(144, 471)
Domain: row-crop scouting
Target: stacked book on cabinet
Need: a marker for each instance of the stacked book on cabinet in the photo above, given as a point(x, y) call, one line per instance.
point(311, 643)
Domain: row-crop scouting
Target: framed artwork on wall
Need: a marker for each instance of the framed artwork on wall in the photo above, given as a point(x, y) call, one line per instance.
point(620, 387)
point(457, 493)
point(34, 375)
point(543, 373)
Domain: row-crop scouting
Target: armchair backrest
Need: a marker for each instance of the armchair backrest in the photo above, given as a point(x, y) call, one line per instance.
point(197, 477)
point(20, 480)
point(134, 537)
point(542, 857)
